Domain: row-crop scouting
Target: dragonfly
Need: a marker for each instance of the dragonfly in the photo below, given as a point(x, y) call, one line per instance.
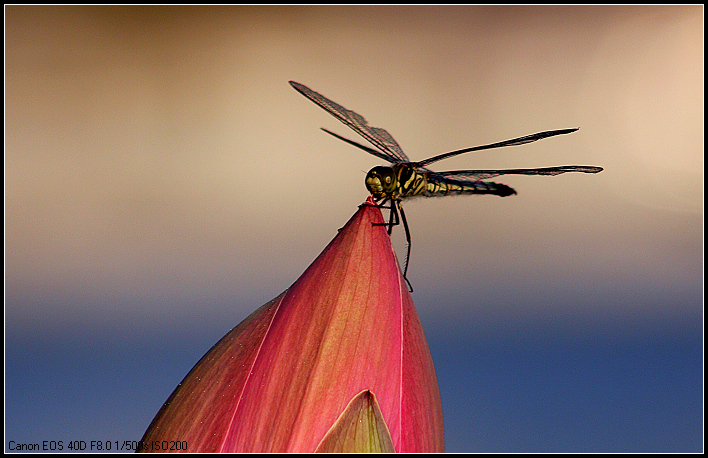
point(404, 179)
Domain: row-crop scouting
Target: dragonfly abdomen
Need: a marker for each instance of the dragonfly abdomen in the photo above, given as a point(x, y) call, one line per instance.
point(435, 188)
point(415, 182)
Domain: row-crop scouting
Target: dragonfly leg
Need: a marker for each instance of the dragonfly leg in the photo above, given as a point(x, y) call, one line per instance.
point(393, 215)
point(408, 239)
point(394, 220)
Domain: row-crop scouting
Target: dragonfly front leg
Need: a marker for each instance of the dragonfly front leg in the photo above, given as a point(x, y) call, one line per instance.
point(393, 215)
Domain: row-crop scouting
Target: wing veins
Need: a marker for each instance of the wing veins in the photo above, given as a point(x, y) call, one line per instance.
point(513, 142)
point(377, 136)
point(476, 175)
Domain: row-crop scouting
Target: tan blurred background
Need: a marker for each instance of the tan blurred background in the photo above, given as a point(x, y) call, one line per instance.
point(163, 180)
point(160, 150)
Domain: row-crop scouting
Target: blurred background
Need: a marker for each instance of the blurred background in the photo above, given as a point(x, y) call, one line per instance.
point(163, 180)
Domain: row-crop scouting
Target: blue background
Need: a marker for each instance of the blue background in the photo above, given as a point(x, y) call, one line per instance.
point(512, 386)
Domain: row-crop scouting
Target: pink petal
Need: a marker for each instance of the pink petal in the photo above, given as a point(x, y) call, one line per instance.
point(279, 381)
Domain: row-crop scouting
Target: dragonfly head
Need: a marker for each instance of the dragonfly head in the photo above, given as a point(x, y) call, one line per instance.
point(381, 182)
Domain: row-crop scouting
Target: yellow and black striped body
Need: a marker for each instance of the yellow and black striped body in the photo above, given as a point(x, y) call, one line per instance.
point(404, 180)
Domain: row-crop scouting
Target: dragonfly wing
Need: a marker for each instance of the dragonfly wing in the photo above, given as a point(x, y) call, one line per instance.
point(377, 136)
point(475, 175)
point(513, 142)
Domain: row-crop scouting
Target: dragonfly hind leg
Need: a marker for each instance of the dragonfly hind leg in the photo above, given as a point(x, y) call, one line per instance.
point(393, 220)
point(408, 239)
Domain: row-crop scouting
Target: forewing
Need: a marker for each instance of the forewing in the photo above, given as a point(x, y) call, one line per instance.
point(476, 175)
point(377, 136)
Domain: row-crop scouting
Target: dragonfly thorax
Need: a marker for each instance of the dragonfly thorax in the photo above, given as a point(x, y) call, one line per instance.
point(381, 182)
